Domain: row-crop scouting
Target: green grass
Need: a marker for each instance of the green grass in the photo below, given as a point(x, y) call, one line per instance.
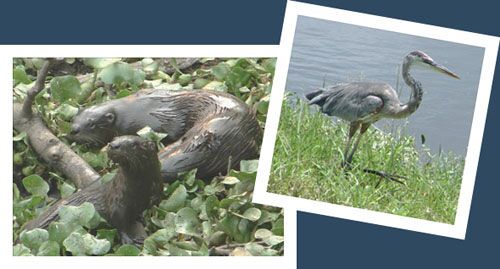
point(307, 159)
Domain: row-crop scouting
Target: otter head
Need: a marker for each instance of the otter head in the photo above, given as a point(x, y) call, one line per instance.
point(93, 126)
point(132, 151)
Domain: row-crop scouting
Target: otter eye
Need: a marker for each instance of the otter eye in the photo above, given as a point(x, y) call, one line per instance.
point(92, 125)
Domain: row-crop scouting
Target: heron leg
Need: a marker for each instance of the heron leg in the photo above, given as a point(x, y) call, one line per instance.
point(352, 131)
point(363, 129)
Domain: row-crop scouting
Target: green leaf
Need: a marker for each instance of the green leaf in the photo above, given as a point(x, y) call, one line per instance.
point(259, 250)
point(252, 214)
point(33, 239)
point(21, 250)
point(108, 234)
point(278, 227)
point(66, 112)
point(49, 248)
point(187, 222)
point(19, 136)
point(81, 215)
point(58, 231)
point(96, 160)
point(221, 70)
point(120, 72)
point(64, 88)
point(100, 63)
point(274, 240)
point(262, 234)
point(20, 75)
point(176, 201)
point(184, 79)
point(249, 166)
point(86, 244)
point(215, 86)
point(200, 83)
point(229, 180)
point(35, 185)
point(127, 250)
point(269, 65)
point(66, 189)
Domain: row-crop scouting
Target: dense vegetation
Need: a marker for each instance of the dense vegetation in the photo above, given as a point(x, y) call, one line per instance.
point(308, 153)
point(194, 217)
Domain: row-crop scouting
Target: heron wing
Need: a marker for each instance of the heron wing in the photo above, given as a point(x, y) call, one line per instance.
point(353, 101)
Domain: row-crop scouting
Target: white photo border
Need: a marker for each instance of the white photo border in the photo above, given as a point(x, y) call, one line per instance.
point(8, 52)
point(459, 228)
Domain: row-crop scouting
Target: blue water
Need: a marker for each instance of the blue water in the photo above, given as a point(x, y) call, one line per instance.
point(330, 52)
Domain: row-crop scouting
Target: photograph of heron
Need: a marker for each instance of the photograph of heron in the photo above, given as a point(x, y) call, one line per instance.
point(375, 119)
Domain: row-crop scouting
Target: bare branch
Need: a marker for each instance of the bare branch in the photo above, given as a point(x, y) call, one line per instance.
point(39, 85)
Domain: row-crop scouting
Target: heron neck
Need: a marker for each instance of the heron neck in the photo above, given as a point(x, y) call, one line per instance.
point(416, 91)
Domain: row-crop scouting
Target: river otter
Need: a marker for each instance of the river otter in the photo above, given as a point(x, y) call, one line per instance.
point(206, 130)
point(136, 186)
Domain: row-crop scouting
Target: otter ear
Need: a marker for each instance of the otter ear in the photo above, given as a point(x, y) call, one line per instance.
point(110, 117)
point(152, 146)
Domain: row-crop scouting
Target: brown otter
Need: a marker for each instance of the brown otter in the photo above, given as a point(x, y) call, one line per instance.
point(206, 130)
point(135, 187)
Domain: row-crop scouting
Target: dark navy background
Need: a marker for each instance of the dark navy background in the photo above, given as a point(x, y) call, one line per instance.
point(322, 241)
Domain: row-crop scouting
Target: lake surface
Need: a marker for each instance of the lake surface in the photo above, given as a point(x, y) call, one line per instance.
point(331, 52)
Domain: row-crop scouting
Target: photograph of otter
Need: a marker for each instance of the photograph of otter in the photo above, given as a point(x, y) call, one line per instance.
point(390, 147)
point(141, 157)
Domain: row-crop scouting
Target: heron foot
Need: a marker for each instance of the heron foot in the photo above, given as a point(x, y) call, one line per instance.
point(382, 175)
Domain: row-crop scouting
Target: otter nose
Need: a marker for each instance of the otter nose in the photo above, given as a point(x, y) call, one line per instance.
point(114, 145)
point(74, 130)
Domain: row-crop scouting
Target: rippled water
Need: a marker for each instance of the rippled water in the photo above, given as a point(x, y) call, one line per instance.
point(330, 52)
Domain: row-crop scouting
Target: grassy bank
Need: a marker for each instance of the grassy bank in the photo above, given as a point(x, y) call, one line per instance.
point(307, 158)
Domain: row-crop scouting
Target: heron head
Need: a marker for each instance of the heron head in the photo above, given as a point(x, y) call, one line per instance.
point(420, 57)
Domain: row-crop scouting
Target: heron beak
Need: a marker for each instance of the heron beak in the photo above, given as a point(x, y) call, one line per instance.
point(444, 70)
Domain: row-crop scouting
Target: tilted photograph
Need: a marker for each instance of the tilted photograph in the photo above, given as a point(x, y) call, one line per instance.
point(375, 119)
point(141, 157)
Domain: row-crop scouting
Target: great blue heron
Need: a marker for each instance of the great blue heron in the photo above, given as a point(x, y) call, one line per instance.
point(363, 103)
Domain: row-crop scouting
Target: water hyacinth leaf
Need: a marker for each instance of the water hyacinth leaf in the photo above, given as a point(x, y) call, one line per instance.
point(239, 251)
point(123, 93)
point(259, 250)
point(278, 227)
point(108, 234)
point(176, 201)
point(229, 180)
point(66, 189)
point(20, 76)
point(187, 222)
point(66, 111)
point(149, 65)
point(64, 88)
point(100, 63)
point(200, 83)
point(96, 160)
point(19, 137)
point(215, 86)
point(249, 166)
point(211, 206)
point(120, 72)
point(35, 185)
point(269, 65)
point(96, 246)
point(252, 214)
point(159, 238)
point(21, 250)
point(58, 231)
point(274, 240)
point(48, 248)
point(184, 79)
point(221, 70)
point(81, 215)
point(262, 233)
point(33, 239)
point(127, 250)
